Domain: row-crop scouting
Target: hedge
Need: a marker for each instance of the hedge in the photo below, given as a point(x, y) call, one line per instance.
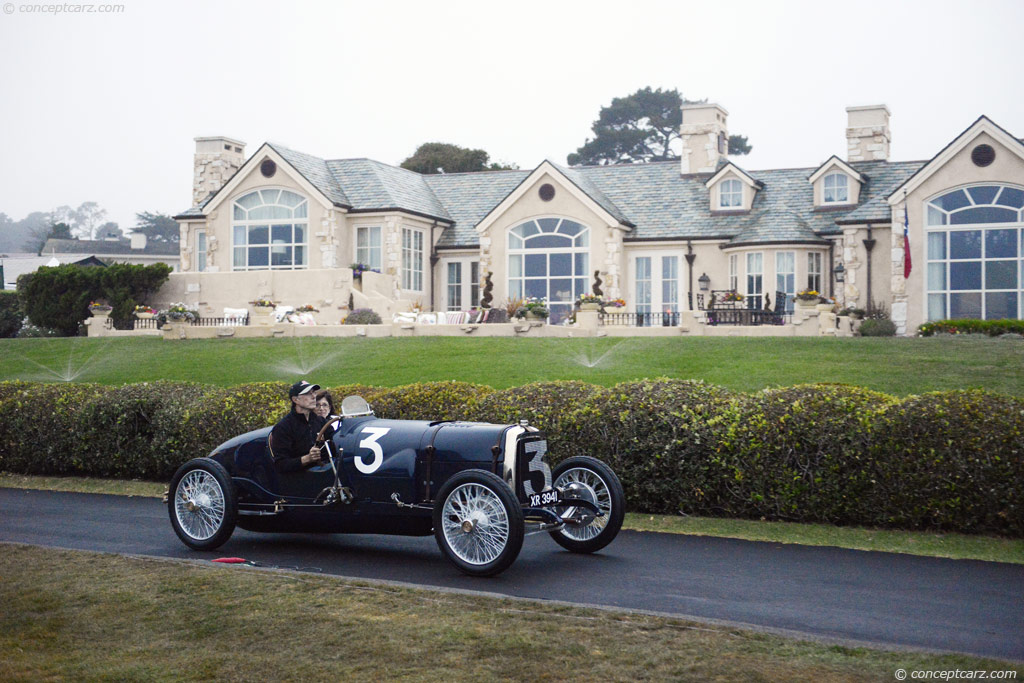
point(812, 453)
point(11, 313)
point(992, 328)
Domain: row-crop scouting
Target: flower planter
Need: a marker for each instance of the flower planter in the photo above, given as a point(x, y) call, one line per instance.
point(97, 311)
point(263, 310)
point(145, 316)
point(590, 306)
point(534, 317)
point(824, 308)
point(806, 304)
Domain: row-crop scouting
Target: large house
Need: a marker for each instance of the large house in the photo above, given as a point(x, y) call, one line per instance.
point(287, 225)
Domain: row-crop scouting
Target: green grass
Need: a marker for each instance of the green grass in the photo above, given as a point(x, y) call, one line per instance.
point(957, 546)
point(84, 616)
point(895, 366)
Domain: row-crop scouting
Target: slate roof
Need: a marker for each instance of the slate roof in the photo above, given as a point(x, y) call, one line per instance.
point(109, 248)
point(654, 200)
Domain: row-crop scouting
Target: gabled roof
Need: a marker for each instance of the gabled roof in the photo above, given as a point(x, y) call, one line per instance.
point(374, 186)
point(835, 162)
point(728, 167)
point(982, 124)
point(316, 171)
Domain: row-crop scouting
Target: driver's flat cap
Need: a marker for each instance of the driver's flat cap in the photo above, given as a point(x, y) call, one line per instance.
point(302, 388)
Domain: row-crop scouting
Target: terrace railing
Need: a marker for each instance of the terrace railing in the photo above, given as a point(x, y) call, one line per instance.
point(641, 319)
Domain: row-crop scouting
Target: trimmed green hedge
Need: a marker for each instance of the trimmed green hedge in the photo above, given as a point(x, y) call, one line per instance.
point(813, 453)
point(992, 328)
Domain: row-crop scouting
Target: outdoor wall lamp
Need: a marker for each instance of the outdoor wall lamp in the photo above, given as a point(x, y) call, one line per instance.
point(705, 282)
point(839, 272)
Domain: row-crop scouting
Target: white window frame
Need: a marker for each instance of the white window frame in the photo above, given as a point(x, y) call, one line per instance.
point(202, 251)
point(755, 276)
point(734, 272)
point(785, 280)
point(733, 189)
point(469, 283)
point(844, 185)
point(365, 253)
point(579, 250)
point(940, 222)
point(412, 259)
point(814, 272)
point(245, 227)
point(660, 292)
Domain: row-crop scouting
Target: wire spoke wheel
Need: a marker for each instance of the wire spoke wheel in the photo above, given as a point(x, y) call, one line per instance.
point(478, 523)
point(475, 524)
point(589, 479)
point(199, 505)
point(590, 487)
point(203, 504)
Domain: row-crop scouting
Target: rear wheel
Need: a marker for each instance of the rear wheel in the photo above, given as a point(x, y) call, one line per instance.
point(203, 504)
point(478, 523)
point(591, 480)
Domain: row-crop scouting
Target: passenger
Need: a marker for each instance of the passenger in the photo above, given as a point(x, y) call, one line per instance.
point(293, 439)
point(325, 404)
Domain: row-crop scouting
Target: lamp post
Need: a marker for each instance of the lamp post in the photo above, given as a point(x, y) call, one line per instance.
point(839, 272)
point(705, 282)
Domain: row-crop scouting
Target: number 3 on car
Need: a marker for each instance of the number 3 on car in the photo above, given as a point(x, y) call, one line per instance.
point(370, 442)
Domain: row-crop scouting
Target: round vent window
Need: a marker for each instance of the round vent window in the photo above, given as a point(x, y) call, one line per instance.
point(983, 155)
point(268, 168)
point(547, 192)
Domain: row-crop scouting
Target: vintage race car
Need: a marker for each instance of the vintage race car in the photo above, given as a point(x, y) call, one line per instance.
point(479, 488)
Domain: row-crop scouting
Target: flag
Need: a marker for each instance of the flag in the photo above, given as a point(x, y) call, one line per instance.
point(906, 244)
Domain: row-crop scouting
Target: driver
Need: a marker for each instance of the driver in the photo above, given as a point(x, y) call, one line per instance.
point(293, 439)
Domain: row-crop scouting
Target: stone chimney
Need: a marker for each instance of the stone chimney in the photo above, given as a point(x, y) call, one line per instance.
point(867, 133)
point(705, 137)
point(216, 160)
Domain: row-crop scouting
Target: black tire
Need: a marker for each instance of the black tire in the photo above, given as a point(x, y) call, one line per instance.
point(595, 476)
point(486, 503)
point(204, 486)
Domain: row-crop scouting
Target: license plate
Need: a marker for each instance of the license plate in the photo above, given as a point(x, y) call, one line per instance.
point(544, 498)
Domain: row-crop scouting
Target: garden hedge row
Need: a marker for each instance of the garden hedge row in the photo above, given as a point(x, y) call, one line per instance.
point(992, 328)
point(813, 453)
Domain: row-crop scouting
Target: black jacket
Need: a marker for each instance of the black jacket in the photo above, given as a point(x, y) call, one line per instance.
point(291, 438)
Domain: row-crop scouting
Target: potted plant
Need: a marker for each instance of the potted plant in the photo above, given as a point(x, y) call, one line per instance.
point(855, 313)
point(615, 303)
point(307, 308)
point(807, 298)
point(589, 302)
point(144, 312)
point(98, 308)
point(263, 306)
point(180, 313)
point(359, 268)
point(533, 309)
point(826, 304)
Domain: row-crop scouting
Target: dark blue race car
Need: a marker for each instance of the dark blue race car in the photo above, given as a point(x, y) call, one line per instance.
point(479, 488)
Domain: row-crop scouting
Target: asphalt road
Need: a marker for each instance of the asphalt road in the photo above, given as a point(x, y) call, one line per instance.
point(881, 598)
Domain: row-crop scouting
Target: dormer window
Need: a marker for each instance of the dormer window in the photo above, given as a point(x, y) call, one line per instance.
point(837, 189)
point(730, 194)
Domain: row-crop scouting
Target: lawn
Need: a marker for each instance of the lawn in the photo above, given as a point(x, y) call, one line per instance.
point(183, 621)
point(895, 366)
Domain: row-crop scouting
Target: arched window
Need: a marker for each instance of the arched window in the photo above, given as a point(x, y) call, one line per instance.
point(837, 190)
point(975, 254)
point(548, 258)
point(730, 194)
point(269, 230)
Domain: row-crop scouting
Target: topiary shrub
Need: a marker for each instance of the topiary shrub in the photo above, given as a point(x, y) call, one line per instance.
point(877, 327)
point(363, 316)
point(799, 453)
point(429, 401)
point(544, 405)
point(949, 460)
point(660, 437)
point(11, 314)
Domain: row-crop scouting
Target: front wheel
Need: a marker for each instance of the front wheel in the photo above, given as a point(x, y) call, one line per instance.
point(478, 523)
point(590, 479)
point(203, 504)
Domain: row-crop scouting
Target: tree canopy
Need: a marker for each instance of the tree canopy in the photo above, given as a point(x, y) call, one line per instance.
point(157, 227)
point(441, 157)
point(640, 128)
